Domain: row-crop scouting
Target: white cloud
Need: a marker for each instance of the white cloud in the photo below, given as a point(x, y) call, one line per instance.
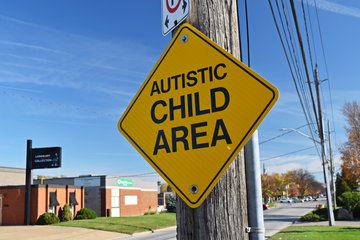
point(336, 8)
point(49, 57)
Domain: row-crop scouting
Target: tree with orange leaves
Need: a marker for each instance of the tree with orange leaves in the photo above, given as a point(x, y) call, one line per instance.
point(350, 151)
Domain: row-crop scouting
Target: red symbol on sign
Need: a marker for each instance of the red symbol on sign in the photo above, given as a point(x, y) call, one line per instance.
point(169, 8)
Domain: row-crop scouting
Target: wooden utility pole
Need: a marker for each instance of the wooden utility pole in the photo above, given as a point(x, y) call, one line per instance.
point(331, 168)
point(323, 152)
point(223, 215)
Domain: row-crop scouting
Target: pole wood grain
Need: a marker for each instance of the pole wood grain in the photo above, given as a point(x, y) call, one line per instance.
point(223, 215)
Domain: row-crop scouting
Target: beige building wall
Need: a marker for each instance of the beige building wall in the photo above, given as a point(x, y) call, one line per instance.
point(12, 176)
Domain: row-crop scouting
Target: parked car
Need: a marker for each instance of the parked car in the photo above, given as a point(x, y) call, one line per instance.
point(297, 200)
point(286, 200)
point(308, 198)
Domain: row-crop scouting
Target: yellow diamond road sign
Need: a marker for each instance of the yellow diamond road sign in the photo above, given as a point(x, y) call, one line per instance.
point(194, 112)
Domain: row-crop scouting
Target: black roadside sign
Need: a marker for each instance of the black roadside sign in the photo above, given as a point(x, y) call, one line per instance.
point(46, 157)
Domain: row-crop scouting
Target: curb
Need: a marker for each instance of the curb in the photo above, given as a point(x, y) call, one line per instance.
point(153, 231)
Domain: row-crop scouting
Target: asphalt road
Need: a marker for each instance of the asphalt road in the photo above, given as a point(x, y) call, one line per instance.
point(275, 219)
point(285, 214)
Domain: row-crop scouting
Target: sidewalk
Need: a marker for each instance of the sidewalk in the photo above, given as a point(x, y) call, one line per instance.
point(55, 233)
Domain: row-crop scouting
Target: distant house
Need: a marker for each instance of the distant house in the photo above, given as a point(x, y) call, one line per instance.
point(114, 196)
point(44, 198)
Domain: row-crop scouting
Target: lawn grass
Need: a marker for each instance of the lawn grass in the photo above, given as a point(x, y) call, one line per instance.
point(127, 225)
point(318, 233)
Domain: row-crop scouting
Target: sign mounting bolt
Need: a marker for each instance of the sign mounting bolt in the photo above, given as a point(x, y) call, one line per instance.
point(194, 189)
point(184, 38)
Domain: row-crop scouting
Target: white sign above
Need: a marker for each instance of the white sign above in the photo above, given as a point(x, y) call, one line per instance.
point(173, 13)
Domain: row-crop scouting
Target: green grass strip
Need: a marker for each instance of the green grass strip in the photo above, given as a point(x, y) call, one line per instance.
point(127, 225)
point(318, 233)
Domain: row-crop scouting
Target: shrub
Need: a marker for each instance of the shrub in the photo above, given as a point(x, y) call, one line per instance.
point(350, 200)
point(85, 213)
point(322, 213)
point(47, 219)
point(171, 204)
point(65, 214)
point(310, 217)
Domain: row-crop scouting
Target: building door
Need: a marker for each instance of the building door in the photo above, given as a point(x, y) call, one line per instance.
point(1, 204)
point(115, 203)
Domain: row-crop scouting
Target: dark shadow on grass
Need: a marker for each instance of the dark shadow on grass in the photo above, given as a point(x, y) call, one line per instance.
point(133, 226)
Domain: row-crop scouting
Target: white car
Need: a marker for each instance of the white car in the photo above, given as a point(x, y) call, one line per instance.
point(286, 200)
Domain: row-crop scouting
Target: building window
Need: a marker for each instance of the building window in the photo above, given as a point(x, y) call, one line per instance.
point(53, 202)
point(115, 201)
point(72, 202)
point(131, 200)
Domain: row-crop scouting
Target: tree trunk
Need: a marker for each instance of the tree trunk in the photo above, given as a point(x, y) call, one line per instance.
point(223, 215)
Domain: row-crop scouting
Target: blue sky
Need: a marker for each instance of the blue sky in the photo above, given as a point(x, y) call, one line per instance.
point(69, 69)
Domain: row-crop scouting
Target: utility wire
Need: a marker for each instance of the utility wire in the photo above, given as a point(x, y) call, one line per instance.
point(247, 33)
point(299, 89)
point(273, 138)
point(293, 58)
point(239, 31)
point(304, 60)
point(326, 67)
point(307, 36)
point(300, 83)
point(291, 161)
point(286, 154)
point(311, 30)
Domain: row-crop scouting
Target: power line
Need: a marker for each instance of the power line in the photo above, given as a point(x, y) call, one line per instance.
point(239, 31)
point(291, 161)
point(247, 32)
point(286, 154)
point(304, 91)
point(299, 86)
point(326, 67)
point(273, 138)
point(304, 59)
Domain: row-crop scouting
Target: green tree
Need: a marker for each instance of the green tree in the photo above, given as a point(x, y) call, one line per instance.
point(171, 203)
point(350, 200)
point(341, 186)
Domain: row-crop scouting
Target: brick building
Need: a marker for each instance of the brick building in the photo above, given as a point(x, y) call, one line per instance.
point(44, 198)
point(114, 196)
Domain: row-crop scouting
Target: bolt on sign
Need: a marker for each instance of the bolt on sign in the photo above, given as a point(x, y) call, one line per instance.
point(194, 112)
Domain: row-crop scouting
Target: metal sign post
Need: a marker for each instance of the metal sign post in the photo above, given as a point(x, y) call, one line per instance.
point(28, 182)
point(38, 158)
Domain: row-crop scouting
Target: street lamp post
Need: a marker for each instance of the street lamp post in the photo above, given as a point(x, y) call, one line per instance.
point(324, 162)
